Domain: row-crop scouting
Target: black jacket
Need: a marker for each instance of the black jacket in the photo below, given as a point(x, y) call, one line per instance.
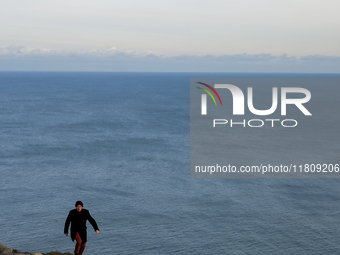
point(78, 223)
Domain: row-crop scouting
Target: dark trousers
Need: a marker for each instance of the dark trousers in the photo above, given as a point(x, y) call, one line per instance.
point(80, 246)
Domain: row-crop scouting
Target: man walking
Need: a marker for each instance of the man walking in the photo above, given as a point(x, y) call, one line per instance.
point(77, 217)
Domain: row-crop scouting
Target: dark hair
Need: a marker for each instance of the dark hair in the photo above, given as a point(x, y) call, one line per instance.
point(79, 203)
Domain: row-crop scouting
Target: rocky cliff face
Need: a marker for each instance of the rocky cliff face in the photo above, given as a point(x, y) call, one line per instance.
point(9, 251)
point(15, 252)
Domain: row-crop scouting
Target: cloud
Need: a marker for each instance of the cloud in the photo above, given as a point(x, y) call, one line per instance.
point(108, 51)
point(20, 58)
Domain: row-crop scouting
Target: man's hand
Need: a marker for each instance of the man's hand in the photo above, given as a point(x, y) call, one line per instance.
point(66, 234)
point(97, 231)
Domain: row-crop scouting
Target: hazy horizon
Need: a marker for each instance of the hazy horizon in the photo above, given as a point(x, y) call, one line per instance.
point(218, 35)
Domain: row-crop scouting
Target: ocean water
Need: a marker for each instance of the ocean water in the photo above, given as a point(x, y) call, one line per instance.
point(120, 143)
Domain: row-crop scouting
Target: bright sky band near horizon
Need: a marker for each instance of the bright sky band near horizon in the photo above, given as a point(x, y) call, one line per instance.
point(293, 28)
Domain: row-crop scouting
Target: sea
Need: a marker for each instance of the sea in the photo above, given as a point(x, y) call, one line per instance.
point(119, 142)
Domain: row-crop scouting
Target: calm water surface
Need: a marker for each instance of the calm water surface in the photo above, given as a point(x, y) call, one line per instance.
point(120, 143)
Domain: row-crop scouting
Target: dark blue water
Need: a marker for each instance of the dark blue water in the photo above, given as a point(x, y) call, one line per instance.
point(120, 143)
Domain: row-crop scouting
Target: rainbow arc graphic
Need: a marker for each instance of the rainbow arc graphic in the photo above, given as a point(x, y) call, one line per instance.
point(209, 93)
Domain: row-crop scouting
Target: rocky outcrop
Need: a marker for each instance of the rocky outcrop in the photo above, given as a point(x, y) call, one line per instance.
point(9, 251)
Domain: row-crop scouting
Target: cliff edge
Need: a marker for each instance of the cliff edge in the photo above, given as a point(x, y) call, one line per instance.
point(9, 251)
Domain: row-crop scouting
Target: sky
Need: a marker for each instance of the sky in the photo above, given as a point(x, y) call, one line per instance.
point(268, 33)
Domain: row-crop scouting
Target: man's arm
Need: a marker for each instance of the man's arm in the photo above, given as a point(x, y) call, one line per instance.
point(93, 222)
point(67, 223)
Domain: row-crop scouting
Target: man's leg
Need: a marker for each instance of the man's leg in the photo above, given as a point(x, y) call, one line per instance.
point(78, 244)
point(82, 248)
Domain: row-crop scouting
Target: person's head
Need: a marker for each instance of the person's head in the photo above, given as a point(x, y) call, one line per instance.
point(79, 205)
